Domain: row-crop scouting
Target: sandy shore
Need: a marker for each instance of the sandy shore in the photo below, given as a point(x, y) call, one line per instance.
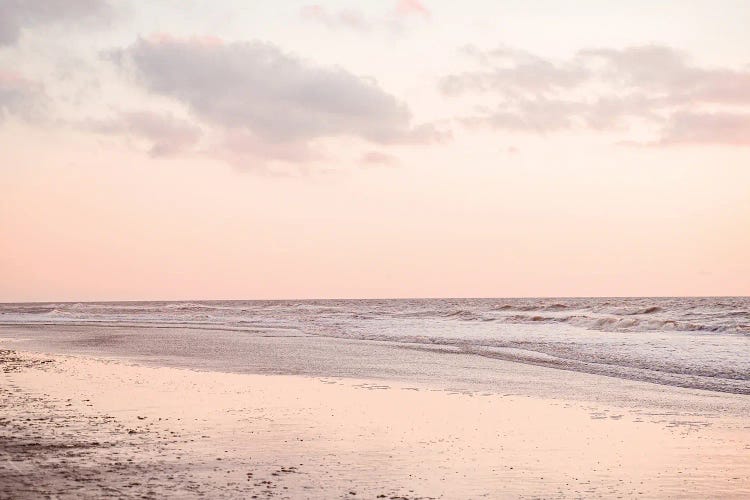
point(74, 427)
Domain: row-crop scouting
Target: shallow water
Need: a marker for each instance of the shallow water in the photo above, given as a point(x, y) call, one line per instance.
point(688, 342)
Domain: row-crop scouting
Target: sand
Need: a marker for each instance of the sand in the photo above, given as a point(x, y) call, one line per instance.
point(81, 427)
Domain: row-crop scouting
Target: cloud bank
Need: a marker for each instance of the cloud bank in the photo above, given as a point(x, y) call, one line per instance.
point(268, 101)
point(346, 18)
point(378, 158)
point(20, 97)
point(353, 19)
point(605, 89)
point(167, 134)
point(16, 15)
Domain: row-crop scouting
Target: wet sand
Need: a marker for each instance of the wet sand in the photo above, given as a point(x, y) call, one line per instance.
point(82, 427)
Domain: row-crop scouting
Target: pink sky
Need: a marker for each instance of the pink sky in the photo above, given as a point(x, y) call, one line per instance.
point(389, 149)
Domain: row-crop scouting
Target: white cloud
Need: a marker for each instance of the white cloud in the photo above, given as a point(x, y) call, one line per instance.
point(17, 15)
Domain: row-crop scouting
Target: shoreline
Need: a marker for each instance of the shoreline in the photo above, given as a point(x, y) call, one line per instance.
point(284, 436)
point(322, 356)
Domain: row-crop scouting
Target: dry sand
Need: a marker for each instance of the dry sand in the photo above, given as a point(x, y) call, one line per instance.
point(75, 427)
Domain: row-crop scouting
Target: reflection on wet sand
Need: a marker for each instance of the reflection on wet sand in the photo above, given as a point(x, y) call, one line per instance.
point(75, 427)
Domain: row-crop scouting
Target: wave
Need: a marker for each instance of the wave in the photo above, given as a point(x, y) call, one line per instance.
point(629, 324)
point(544, 307)
point(649, 310)
point(464, 315)
point(568, 356)
point(728, 315)
point(706, 337)
point(458, 314)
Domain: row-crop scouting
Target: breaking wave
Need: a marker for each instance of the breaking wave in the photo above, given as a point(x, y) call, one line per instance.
point(690, 342)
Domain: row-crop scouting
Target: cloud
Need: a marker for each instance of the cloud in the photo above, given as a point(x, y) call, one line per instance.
point(606, 89)
point(167, 134)
point(648, 66)
point(17, 15)
point(537, 115)
point(507, 71)
point(394, 21)
point(411, 8)
point(275, 103)
point(378, 158)
point(344, 18)
point(20, 97)
point(247, 152)
point(708, 128)
point(654, 68)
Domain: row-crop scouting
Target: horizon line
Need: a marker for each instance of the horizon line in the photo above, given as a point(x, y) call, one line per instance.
point(540, 297)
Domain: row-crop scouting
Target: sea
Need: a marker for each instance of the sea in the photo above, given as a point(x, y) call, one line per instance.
point(701, 343)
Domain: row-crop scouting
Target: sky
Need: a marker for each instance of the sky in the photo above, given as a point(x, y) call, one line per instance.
point(225, 149)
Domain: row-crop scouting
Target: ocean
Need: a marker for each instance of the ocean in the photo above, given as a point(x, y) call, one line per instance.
point(699, 343)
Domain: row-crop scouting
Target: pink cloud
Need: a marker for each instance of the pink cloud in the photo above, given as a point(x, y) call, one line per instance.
point(411, 7)
point(11, 77)
point(166, 38)
point(608, 89)
point(708, 128)
point(314, 12)
point(344, 18)
point(352, 19)
point(246, 151)
point(167, 134)
point(374, 158)
point(20, 96)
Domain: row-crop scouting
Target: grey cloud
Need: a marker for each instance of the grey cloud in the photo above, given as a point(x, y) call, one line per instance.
point(20, 97)
point(16, 15)
point(264, 105)
point(541, 114)
point(663, 69)
point(351, 19)
point(602, 88)
point(167, 134)
point(395, 21)
point(538, 115)
point(257, 88)
point(378, 158)
point(246, 151)
point(514, 71)
point(608, 112)
point(708, 128)
point(649, 66)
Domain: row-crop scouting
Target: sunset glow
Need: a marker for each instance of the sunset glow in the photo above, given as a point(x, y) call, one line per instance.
point(231, 150)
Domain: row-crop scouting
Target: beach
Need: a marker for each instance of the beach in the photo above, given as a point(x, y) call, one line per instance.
point(82, 426)
point(396, 249)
